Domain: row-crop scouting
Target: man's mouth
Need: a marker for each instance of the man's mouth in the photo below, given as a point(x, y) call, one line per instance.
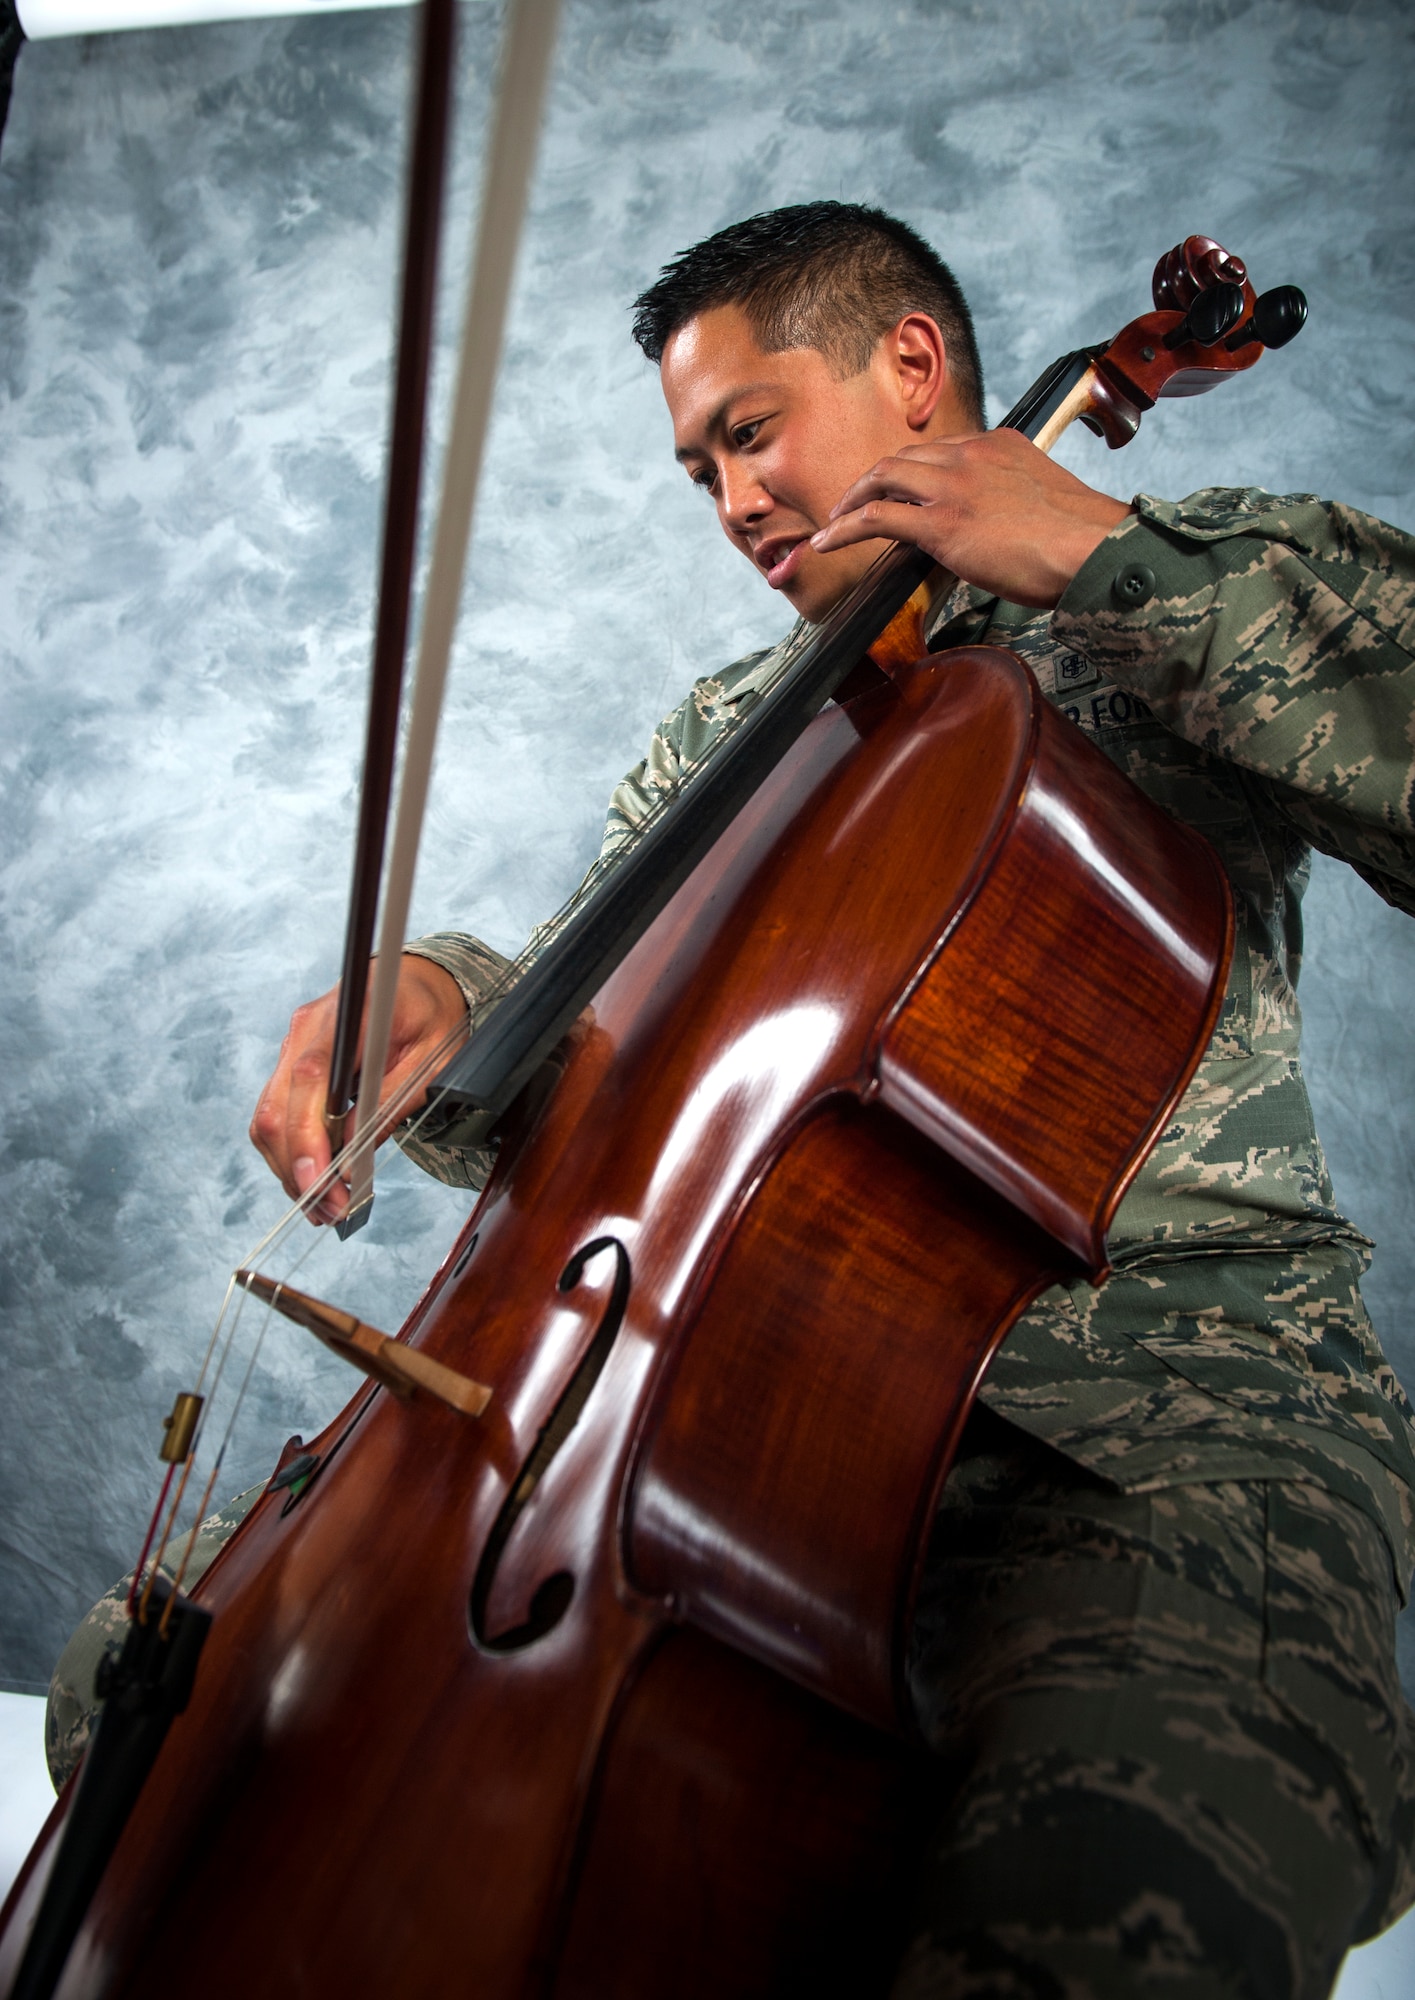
point(780, 559)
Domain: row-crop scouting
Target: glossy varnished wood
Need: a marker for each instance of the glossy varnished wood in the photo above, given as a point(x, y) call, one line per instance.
point(783, 1836)
point(797, 1441)
point(748, 1123)
point(1083, 935)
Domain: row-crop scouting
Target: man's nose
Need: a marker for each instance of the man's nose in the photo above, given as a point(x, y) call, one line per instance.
point(743, 500)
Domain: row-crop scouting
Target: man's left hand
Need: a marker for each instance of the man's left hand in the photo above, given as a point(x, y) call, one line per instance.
point(990, 507)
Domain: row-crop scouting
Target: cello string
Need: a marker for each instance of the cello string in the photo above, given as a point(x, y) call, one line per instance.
point(240, 1397)
point(220, 1456)
point(148, 1587)
point(147, 1543)
point(278, 1233)
point(226, 1437)
point(200, 1431)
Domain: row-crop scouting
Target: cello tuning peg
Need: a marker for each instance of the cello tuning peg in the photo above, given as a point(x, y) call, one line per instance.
point(1277, 317)
point(1209, 317)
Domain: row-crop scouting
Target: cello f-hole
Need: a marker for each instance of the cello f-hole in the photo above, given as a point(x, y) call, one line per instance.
point(552, 1597)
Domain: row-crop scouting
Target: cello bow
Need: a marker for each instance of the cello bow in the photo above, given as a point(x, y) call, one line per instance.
point(147, 1685)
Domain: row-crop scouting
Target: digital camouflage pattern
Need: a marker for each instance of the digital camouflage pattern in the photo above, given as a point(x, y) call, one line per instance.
point(1246, 1364)
point(1279, 638)
point(478, 969)
point(69, 1712)
point(1176, 1751)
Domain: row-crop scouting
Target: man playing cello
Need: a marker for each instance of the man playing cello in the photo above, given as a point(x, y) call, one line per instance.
point(1155, 1650)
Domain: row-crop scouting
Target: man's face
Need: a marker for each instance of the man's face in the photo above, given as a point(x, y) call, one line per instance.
point(776, 439)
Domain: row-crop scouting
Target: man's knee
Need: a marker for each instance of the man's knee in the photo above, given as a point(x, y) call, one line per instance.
point(68, 1714)
point(73, 1702)
point(1163, 1778)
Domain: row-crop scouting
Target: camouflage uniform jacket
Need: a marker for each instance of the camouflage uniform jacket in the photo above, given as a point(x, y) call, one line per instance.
point(1247, 660)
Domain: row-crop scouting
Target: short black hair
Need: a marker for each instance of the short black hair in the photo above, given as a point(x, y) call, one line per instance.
point(832, 275)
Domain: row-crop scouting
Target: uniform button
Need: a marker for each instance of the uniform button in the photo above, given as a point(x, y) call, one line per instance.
point(1134, 586)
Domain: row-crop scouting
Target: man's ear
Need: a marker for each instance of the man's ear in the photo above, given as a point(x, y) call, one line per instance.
point(918, 360)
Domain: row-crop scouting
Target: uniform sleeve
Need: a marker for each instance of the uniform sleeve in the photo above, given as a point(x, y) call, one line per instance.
point(678, 742)
point(654, 778)
point(477, 968)
point(682, 739)
point(1277, 633)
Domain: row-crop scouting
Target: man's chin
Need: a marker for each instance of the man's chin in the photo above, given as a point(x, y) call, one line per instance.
point(819, 586)
point(816, 604)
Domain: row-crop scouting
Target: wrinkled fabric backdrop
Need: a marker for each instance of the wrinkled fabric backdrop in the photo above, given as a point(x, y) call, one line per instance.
point(198, 242)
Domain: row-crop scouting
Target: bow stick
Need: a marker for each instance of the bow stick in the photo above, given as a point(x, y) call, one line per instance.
point(422, 230)
point(529, 39)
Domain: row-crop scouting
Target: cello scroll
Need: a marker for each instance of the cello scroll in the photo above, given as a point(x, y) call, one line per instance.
point(1208, 323)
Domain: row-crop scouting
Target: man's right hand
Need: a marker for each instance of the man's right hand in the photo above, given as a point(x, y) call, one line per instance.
point(288, 1126)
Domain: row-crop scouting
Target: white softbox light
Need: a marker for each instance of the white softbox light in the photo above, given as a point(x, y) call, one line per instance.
point(42, 19)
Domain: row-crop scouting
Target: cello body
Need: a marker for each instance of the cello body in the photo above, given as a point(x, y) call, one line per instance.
point(602, 1693)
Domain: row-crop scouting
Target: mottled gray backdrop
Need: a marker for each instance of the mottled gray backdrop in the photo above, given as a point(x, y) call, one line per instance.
point(197, 249)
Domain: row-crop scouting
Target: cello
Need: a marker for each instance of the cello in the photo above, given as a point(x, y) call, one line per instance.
point(670, 1561)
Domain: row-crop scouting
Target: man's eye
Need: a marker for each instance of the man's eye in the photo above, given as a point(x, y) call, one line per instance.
point(745, 434)
point(703, 479)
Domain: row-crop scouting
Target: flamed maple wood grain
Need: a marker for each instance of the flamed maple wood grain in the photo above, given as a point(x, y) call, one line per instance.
point(799, 1438)
point(1055, 1106)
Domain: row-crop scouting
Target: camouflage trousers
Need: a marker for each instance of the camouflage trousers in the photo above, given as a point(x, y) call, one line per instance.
point(1175, 1748)
point(1174, 1744)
